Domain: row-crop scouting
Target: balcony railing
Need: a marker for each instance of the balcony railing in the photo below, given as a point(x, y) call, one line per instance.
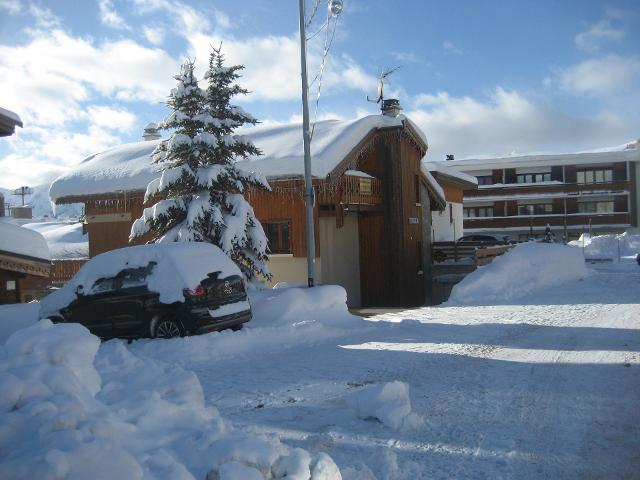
point(516, 189)
point(353, 190)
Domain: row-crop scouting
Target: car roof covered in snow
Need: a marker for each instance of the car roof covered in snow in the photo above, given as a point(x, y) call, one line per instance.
point(18, 240)
point(178, 266)
point(128, 167)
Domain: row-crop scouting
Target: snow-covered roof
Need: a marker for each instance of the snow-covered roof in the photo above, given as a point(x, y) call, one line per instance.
point(18, 240)
point(444, 169)
point(128, 167)
point(436, 188)
point(64, 239)
point(125, 167)
point(626, 152)
point(332, 141)
point(14, 117)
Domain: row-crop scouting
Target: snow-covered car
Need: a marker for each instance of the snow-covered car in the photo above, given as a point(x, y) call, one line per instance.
point(155, 290)
point(486, 238)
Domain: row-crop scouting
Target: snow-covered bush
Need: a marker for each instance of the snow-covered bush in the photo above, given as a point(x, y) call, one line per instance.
point(388, 403)
point(522, 270)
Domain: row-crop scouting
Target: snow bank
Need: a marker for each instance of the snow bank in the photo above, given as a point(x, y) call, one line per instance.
point(65, 239)
point(16, 316)
point(282, 318)
point(522, 270)
point(609, 246)
point(68, 410)
point(388, 403)
point(178, 266)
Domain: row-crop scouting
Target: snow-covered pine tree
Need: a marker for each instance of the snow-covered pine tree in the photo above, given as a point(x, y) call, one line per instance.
point(198, 196)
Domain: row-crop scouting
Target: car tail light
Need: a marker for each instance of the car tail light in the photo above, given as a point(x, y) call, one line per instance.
point(197, 293)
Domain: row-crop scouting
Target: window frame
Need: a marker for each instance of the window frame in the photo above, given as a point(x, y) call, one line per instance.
point(282, 244)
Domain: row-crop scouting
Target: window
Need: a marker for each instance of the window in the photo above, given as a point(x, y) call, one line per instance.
point(595, 207)
point(594, 175)
point(11, 285)
point(533, 177)
point(450, 213)
point(535, 209)
point(485, 180)
point(472, 212)
point(278, 235)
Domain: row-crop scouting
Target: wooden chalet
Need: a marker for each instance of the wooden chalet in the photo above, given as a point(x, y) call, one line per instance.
point(372, 212)
point(24, 263)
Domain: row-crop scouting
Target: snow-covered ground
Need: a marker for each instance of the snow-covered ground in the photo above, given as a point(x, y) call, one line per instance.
point(539, 384)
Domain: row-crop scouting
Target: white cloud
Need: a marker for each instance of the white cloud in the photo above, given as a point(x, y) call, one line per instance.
point(449, 47)
point(505, 122)
point(109, 16)
point(598, 34)
point(155, 35)
point(406, 57)
point(608, 75)
point(12, 7)
point(47, 79)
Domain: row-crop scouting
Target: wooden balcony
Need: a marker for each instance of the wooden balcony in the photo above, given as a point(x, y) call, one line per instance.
point(352, 191)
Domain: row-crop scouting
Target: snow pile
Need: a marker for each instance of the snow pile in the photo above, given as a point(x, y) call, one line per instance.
point(67, 413)
point(65, 239)
point(326, 304)
point(282, 318)
point(609, 246)
point(388, 403)
point(522, 270)
point(16, 316)
point(178, 266)
point(22, 241)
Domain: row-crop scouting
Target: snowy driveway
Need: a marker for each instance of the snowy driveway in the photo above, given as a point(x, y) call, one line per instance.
point(545, 388)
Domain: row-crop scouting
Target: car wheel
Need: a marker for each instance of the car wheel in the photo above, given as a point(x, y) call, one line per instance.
point(167, 327)
point(237, 328)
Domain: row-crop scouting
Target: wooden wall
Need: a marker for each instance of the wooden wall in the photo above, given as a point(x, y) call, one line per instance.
point(286, 203)
point(390, 246)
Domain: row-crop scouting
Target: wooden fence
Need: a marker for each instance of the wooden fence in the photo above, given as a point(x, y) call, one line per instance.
point(475, 253)
point(63, 270)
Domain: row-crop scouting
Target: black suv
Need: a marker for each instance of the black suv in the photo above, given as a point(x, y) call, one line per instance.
point(123, 306)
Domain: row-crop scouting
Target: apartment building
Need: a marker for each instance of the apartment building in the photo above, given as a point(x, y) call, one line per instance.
point(594, 192)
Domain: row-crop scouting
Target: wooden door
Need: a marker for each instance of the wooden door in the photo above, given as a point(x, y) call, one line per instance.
point(374, 290)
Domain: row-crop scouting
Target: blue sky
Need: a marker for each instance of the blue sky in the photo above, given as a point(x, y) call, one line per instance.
point(480, 78)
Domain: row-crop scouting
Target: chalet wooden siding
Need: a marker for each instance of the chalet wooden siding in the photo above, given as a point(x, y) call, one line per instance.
point(286, 203)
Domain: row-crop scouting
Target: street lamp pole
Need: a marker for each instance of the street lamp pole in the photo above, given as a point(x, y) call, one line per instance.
point(308, 187)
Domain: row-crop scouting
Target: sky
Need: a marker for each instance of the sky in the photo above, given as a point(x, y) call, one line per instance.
point(488, 78)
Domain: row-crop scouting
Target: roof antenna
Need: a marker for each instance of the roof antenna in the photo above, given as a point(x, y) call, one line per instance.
point(380, 90)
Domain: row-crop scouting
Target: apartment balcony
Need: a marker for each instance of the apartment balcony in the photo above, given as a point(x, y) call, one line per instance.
point(616, 218)
point(548, 188)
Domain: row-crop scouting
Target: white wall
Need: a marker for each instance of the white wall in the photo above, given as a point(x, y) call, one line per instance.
point(443, 230)
point(287, 268)
point(340, 252)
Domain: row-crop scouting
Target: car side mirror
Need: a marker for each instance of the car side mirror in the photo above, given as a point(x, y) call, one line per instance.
point(79, 290)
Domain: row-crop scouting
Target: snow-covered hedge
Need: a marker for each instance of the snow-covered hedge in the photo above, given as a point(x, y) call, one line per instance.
point(522, 270)
point(70, 411)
